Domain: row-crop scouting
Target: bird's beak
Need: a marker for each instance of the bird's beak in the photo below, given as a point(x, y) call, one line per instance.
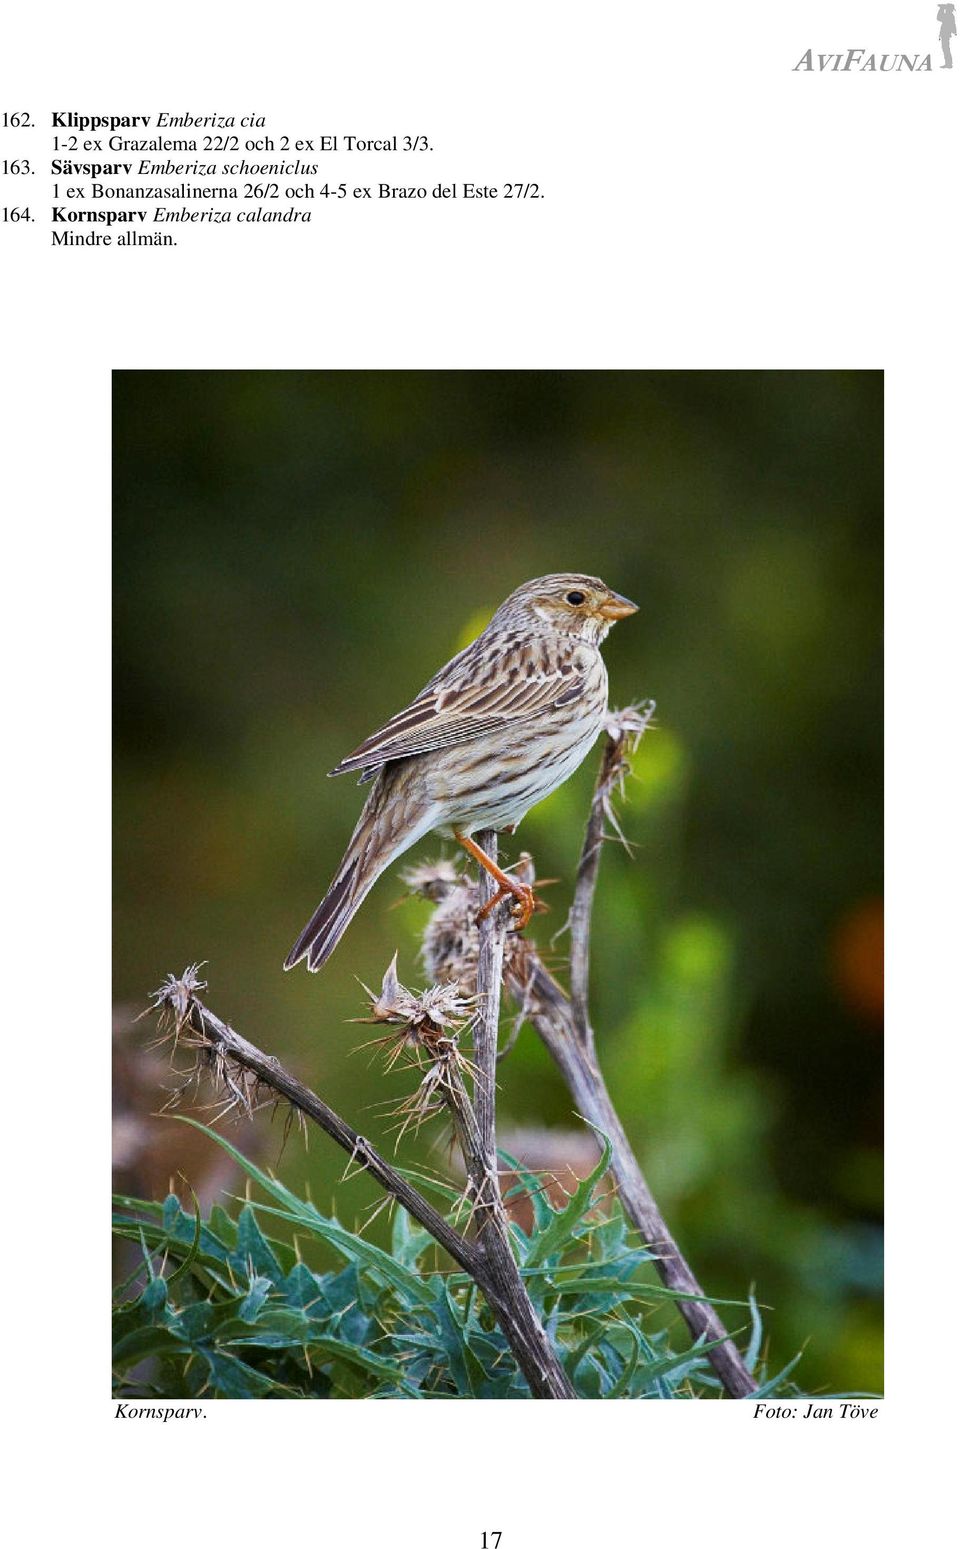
point(616, 607)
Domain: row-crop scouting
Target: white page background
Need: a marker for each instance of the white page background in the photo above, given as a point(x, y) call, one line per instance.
point(705, 206)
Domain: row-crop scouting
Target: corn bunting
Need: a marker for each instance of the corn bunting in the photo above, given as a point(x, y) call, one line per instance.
point(499, 727)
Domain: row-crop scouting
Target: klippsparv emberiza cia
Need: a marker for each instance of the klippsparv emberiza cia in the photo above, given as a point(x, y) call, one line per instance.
point(494, 732)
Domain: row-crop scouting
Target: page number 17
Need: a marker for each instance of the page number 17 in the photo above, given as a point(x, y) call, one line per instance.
point(491, 1540)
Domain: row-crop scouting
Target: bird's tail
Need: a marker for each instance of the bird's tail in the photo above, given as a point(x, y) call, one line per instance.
point(388, 825)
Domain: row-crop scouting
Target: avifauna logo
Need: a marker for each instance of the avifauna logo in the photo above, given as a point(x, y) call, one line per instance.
point(866, 59)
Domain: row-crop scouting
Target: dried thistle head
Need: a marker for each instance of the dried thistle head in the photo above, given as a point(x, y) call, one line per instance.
point(631, 722)
point(451, 940)
point(624, 729)
point(441, 1005)
point(431, 1019)
point(174, 1001)
point(179, 994)
point(433, 879)
point(181, 1023)
point(427, 1026)
point(395, 1003)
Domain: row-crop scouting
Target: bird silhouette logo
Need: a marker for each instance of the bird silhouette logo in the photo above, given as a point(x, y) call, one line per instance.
point(946, 16)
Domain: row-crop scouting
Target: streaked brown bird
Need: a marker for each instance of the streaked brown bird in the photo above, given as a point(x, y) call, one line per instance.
point(499, 727)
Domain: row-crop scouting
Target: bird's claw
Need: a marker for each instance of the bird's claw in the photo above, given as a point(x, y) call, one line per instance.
point(525, 904)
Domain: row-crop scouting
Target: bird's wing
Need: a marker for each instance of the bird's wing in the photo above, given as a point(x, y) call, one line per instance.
point(476, 692)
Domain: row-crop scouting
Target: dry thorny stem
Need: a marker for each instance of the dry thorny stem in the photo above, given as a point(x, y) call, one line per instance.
point(423, 1033)
point(624, 729)
point(237, 1089)
point(236, 1066)
point(240, 1071)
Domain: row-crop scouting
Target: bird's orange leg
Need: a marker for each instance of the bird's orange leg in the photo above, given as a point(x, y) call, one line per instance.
point(509, 887)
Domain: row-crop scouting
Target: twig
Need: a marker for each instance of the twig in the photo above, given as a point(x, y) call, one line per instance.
point(564, 1026)
point(624, 729)
point(505, 1284)
point(492, 934)
point(551, 1015)
point(226, 1053)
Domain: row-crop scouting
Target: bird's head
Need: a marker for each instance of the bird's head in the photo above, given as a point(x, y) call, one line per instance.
point(570, 604)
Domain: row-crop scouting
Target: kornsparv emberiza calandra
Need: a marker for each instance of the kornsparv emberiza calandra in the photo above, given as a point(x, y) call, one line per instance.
point(499, 727)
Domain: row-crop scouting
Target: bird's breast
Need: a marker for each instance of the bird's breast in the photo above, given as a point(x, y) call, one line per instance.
point(493, 780)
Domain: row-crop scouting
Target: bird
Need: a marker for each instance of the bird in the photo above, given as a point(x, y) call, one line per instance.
point(504, 723)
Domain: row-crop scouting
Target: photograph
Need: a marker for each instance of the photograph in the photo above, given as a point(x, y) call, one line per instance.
point(538, 1052)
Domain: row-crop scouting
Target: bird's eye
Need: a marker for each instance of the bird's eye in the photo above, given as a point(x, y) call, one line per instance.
point(576, 598)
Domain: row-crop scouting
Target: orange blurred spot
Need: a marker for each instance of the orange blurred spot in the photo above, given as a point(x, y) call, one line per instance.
point(857, 952)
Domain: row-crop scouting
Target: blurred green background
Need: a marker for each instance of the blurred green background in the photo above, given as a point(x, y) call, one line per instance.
point(296, 553)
